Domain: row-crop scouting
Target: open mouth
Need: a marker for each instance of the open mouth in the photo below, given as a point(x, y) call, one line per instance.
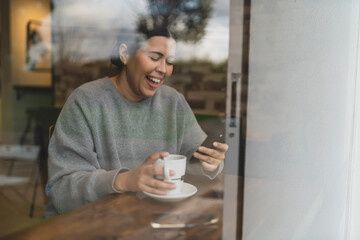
point(155, 80)
point(152, 81)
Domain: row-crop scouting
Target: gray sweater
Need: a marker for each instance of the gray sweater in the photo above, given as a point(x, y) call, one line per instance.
point(99, 134)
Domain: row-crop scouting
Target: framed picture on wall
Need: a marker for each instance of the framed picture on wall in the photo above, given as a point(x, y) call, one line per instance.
point(38, 46)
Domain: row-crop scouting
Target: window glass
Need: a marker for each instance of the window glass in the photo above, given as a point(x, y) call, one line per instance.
point(50, 48)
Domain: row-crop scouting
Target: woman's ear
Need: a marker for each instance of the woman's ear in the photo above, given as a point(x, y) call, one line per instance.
point(123, 53)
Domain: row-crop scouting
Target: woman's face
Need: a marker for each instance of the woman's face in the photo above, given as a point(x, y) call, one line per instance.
point(150, 66)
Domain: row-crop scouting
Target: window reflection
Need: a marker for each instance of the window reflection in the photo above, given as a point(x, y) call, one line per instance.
point(61, 45)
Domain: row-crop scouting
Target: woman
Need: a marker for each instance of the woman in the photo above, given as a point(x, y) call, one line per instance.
point(112, 130)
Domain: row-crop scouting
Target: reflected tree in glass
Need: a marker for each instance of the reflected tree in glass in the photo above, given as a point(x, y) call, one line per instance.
point(186, 19)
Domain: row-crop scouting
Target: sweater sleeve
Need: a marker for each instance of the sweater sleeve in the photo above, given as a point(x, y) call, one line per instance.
point(193, 137)
point(75, 177)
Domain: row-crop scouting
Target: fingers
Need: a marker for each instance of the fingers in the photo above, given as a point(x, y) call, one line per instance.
point(158, 187)
point(155, 156)
point(154, 190)
point(221, 147)
point(208, 159)
point(218, 152)
point(149, 184)
point(154, 170)
point(207, 166)
point(214, 153)
point(211, 158)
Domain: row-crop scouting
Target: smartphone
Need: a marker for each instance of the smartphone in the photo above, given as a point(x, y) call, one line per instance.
point(213, 138)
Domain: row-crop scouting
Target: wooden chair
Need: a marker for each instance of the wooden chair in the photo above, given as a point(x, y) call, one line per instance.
point(43, 118)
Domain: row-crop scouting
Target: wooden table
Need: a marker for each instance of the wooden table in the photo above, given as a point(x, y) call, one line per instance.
point(128, 216)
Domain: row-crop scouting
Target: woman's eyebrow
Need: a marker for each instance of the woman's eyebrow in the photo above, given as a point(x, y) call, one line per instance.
point(158, 53)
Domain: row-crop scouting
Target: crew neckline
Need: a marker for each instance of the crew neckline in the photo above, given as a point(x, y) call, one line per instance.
point(117, 93)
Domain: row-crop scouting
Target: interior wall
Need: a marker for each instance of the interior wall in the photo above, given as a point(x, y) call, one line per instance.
point(300, 119)
point(0, 79)
point(6, 85)
point(21, 11)
point(14, 17)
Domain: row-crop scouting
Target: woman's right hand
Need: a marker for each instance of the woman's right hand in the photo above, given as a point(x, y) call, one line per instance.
point(141, 178)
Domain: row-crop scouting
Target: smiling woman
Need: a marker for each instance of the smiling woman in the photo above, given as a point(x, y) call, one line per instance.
point(112, 130)
point(147, 70)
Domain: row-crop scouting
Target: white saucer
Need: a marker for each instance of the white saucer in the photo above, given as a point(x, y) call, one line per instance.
point(187, 191)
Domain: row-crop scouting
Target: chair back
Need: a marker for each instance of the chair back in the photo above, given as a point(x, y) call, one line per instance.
point(51, 130)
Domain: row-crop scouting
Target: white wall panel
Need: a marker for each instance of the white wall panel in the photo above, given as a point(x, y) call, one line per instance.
point(300, 119)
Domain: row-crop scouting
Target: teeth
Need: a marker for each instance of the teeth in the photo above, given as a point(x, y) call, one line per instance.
point(154, 79)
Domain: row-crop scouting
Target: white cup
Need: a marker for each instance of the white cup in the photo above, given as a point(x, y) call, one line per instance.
point(174, 162)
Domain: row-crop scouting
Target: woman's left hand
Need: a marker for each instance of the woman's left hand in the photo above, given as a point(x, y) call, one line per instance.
point(210, 158)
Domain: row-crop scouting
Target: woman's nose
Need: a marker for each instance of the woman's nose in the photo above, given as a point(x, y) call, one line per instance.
point(161, 67)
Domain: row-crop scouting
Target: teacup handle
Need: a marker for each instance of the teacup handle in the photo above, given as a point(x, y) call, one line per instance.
point(167, 172)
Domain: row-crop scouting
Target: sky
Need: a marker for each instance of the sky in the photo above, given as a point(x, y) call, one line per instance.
point(215, 43)
point(96, 17)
